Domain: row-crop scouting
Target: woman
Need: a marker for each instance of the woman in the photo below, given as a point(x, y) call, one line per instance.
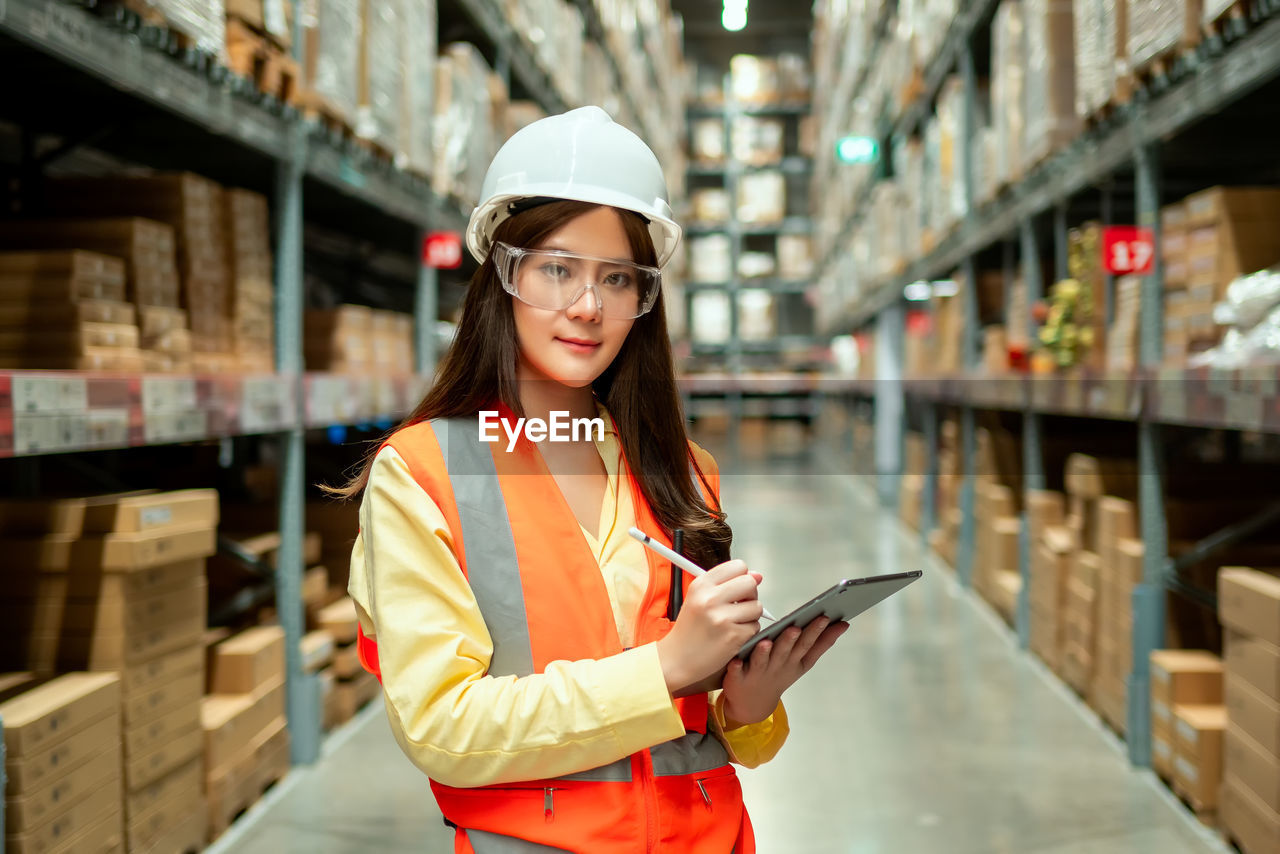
point(522, 638)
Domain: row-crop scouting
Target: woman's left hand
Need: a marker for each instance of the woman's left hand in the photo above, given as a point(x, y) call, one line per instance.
point(752, 690)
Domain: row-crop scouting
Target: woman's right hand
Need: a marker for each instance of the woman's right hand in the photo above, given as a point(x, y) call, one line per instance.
point(721, 612)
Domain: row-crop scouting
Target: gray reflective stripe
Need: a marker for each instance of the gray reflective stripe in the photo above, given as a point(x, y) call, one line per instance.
point(484, 842)
point(693, 753)
point(614, 772)
point(488, 544)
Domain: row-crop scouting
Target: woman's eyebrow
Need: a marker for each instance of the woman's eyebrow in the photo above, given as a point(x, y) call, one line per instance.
point(554, 246)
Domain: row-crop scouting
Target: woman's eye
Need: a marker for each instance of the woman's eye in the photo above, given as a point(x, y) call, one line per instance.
point(618, 280)
point(555, 271)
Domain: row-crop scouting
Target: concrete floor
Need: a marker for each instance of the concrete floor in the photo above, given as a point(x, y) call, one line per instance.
point(925, 730)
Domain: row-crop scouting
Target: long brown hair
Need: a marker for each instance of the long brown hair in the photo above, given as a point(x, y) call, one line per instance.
point(638, 388)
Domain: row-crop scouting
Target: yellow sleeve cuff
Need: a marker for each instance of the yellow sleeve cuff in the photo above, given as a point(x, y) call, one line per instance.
point(754, 744)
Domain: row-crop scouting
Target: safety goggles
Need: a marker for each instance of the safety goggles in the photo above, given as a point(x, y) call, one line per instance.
point(554, 279)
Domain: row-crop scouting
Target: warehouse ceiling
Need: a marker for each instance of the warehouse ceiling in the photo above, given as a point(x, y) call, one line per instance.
point(773, 26)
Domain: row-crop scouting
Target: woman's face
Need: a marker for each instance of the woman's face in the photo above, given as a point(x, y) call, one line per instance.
point(574, 346)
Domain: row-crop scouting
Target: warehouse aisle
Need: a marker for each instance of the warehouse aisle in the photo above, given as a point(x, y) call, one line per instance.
point(924, 730)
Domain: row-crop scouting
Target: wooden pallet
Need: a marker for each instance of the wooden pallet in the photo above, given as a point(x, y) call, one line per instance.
point(1165, 68)
point(324, 112)
point(1208, 816)
point(254, 57)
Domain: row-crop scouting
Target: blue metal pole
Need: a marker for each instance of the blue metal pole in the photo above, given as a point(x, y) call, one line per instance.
point(1032, 450)
point(929, 504)
point(302, 707)
point(1149, 596)
point(425, 309)
point(968, 428)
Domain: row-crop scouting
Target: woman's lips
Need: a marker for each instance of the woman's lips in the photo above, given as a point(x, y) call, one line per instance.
point(579, 345)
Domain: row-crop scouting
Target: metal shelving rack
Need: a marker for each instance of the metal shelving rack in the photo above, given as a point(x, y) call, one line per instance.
point(1129, 142)
point(110, 411)
point(743, 395)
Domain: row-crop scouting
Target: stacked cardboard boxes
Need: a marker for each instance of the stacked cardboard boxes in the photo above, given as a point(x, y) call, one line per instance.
point(1120, 570)
point(121, 587)
point(246, 740)
point(1159, 30)
point(250, 288)
point(946, 536)
point(1249, 608)
point(62, 766)
point(66, 309)
point(1051, 120)
point(1230, 232)
point(331, 32)
point(339, 340)
point(911, 486)
point(194, 207)
point(464, 139)
point(1101, 55)
point(1048, 573)
point(1179, 678)
point(998, 523)
point(353, 686)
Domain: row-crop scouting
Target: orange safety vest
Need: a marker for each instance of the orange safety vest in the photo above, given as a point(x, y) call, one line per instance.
point(544, 599)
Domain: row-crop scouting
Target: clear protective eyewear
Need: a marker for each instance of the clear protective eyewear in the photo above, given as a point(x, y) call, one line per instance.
point(555, 279)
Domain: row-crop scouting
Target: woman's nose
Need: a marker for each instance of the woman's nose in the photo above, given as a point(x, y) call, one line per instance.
point(587, 304)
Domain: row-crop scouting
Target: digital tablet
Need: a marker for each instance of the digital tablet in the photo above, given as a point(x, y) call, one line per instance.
point(843, 601)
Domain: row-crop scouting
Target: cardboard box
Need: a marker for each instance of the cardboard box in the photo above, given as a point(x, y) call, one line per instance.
point(248, 661)
point(1257, 715)
point(1249, 603)
point(183, 690)
point(174, 786)
point(1251, 764)
point(1248, 820)
point(149, 736)
point(76, 829)
point(174, 820)
point(58, 709)
point(1198, 733)
point(190, 835)
point(27, 810)
point(351, 695)
point(346, 662)
point(46, 766)
point(143, 680)
point(1255, 661)
point(315, 587)
point(339, 619)
point(1246, 204)
point(144, 770)
point(113, 552)
point(153, 512)
point(317, 651)
point(1186, 677)
point(108, 615)
point(231, 722)
point(1091, 477)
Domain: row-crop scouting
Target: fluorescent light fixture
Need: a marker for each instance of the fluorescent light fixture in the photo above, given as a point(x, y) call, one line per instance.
point(917, 292)
point(734, 17)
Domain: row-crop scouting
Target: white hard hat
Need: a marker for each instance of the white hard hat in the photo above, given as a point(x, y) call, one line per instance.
point(582, 155)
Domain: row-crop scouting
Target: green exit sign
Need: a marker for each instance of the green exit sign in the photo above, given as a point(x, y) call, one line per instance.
point(857, 149)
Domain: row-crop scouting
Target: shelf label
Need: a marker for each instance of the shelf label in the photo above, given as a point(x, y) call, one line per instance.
point(49, 394)
point(442, 250)
point(1128, 249)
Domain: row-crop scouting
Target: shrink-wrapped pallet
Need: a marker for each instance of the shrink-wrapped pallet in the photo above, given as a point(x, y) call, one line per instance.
point(203, 21)
point(381, 73)
point(1159, 28)
point(1008, 89)
point(419, 84)
point(463, 137)
point(1101, 54)
point(332, 33)
point(1051, 79)
point(953, 152)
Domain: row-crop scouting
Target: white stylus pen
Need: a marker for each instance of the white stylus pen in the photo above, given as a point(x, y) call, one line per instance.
point(679, 560)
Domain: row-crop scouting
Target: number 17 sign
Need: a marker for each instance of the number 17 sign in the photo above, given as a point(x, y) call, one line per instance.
point(1128, 249)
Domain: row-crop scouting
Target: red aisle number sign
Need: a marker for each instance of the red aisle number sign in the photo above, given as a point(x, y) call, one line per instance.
point(442, 250)
point(1128, 249)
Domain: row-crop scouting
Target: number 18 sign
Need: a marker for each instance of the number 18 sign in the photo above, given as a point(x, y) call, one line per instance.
point(1128, 249)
